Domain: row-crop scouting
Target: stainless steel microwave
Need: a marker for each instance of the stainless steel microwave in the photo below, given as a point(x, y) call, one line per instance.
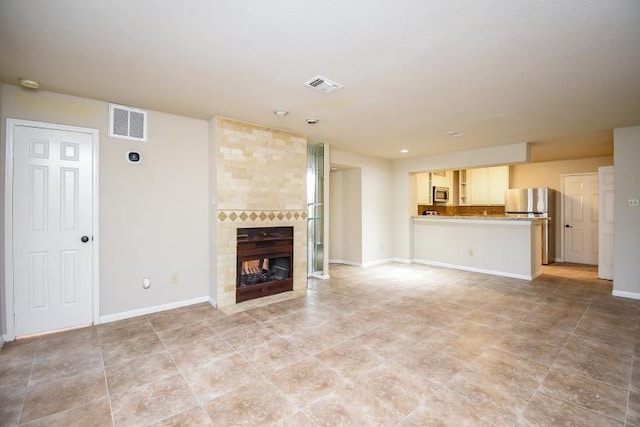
point(440, 194)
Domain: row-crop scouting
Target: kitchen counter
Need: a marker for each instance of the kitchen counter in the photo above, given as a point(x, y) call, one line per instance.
point(503, 246)
point(478, 218)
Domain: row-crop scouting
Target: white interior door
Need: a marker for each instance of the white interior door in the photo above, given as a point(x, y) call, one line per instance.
point(606, 222)
point(52, 228)
point(580, 201)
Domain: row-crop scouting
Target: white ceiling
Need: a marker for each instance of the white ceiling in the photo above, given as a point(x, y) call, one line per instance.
point(560, 74)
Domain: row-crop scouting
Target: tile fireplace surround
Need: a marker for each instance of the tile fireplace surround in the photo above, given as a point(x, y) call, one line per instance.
point(260, 181)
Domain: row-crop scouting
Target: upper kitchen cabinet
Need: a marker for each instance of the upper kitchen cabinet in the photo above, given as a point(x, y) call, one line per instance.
point(425, 182)
point(463, 193)
point(486, 186)
point(423, 188)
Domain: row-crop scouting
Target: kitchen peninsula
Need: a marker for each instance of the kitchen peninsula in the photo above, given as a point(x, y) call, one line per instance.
point(503, 246)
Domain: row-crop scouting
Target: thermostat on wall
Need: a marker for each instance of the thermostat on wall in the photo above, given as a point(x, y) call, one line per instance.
point(133, 157)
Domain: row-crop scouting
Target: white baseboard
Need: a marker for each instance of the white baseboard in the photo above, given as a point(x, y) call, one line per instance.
point(402, 260)
point(476, 270)
point(623, 294)
point(377, 262)
point(154, 309)
point(213, 303)
point(341, 261)
point(559, 260)
point(2, 341)
point(319, 276)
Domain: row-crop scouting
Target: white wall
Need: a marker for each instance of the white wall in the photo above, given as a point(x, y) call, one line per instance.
point(345, 233)
point(353, 244)
point(153, 216)
point(336, 215)
point(403, 199)
point(376, 210)
point(2, 233)
point(626, 154)
point(212, 212)
point(513, 250)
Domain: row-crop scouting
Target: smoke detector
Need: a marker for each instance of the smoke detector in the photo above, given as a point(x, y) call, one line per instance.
point(454, 133)
point(29, 84)
point(323, 84)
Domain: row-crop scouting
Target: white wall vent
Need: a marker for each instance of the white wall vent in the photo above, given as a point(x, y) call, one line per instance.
point(323, 84)
point(127, 123)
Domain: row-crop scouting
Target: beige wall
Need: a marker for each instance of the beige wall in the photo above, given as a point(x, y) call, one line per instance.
point(346, 239)
point(153, 215)
point(336, 209)
point(375, 210)
point(260, 182)
point(626, 151)
point(2, 231)
point(549, 174)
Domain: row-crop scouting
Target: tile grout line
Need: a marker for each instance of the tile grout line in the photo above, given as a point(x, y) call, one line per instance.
point(300, 409)
point(26, 389)
point(572, 334)
point(590, 306)
point(181, 374)
point(629, 391)
point(520, 413)
point(106, 381)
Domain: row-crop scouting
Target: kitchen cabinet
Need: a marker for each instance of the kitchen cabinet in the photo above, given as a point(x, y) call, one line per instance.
point(425, 182)
point(463, 195)
point(486, 186)
point(498, 184)
point(423, 188)
point(439, 179)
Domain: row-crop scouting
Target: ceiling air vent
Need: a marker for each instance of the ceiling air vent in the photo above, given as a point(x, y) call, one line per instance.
point(323, 84)
point(127, 123)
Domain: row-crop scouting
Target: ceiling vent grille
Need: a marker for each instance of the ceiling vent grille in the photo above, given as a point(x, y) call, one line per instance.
point(127, 123)
point(323, 84)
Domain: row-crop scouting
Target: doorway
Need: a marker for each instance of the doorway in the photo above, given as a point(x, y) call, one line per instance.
point(580, 218)
point(51, 222)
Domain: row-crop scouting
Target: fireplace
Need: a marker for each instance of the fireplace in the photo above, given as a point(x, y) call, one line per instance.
point(264, 262)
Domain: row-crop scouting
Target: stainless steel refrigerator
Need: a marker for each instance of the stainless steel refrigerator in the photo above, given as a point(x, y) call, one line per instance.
point(536, 202)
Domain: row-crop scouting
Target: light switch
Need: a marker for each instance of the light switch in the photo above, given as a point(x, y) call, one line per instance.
point(634, 202)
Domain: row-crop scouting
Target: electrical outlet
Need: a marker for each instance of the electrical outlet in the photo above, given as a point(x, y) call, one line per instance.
point(634, 202)
point(173, 278)
point(146, 282)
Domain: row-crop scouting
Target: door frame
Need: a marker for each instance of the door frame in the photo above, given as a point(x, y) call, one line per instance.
point(9, 312)
point(562, 208)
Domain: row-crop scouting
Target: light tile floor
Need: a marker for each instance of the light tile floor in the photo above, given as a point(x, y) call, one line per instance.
point(404, 345)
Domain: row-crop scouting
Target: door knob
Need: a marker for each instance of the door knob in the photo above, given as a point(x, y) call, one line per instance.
point(84, 239)
point(568, 226)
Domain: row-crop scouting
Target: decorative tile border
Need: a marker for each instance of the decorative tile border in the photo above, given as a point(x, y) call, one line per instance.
point(261, 216)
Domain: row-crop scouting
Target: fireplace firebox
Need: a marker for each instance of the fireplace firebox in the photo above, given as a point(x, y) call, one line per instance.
point(264, 262)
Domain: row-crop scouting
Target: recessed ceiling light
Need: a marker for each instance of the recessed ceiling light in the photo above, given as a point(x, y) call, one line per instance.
point(454, 133)
point(29, 84)
point(281, 113)
point(312, 121)
point(404, 151)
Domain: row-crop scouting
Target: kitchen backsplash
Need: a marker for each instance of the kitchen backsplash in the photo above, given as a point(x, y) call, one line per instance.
point(462, 210)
